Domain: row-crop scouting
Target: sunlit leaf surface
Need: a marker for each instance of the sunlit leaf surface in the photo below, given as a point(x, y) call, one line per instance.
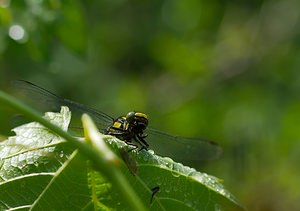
point(39, 170)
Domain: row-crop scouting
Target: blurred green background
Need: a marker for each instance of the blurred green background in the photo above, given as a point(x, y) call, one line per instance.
point(224, 70)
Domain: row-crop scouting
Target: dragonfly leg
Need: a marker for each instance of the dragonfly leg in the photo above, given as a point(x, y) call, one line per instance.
point(141, 141)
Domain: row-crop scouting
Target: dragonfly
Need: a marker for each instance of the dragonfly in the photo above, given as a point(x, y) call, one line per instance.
point(131, 128)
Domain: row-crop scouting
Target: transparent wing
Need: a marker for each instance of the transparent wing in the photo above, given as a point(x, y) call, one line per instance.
point(51, 101)
point(182, 148)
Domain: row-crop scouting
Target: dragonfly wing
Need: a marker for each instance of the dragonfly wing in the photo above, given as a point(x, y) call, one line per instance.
point(182, 148)
point(48, 100)
point(44, 98)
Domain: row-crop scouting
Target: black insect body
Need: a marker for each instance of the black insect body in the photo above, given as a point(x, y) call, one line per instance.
point(130, 127)
point(154, 190)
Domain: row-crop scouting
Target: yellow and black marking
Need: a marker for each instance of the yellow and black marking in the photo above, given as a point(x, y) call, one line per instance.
point(130, 127)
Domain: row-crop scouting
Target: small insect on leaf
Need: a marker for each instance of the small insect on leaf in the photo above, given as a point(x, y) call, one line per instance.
point(154, 191)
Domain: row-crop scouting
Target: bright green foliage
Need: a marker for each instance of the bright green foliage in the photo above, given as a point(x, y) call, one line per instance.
point(39, 169)
point(222, 70)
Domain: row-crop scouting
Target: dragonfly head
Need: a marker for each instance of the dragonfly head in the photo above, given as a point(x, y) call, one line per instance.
point(137, 120)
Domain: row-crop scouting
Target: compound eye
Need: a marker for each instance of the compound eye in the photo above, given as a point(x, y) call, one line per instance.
point(130, 116)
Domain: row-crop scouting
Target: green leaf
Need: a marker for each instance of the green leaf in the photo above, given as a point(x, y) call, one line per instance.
point(29, 160)
point(33, 148)
point(181, 187)
point(40, 170)
point(68, 189)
